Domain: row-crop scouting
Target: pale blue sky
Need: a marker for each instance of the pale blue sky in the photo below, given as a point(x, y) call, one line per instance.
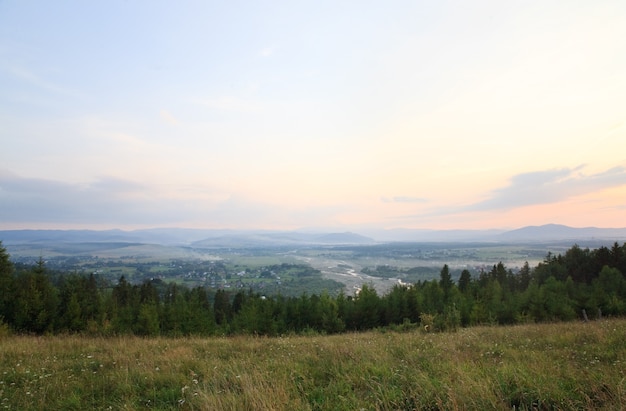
point(451, 114)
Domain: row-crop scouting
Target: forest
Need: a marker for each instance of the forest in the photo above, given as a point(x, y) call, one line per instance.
point(580, 284)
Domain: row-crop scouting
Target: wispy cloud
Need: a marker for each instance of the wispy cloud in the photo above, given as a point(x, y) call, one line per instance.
point(107, 200)
point(404, 199)
point(534, 188)
point(549, 186)
point(119, 202)
point(36, 80)
point(116, 185)
point(168, 117)
point(229, 103)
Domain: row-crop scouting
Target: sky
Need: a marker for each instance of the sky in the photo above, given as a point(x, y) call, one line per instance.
point(289, 115)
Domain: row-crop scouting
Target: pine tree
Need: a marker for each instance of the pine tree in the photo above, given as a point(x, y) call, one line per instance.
point(465, 280)
point(222, 307)
point(609, 291)
point(125, 306)
point(36, 301)
point(7, 286)
point(367, 308)
point(202, 321)
point(445, 281)
point(148, 319)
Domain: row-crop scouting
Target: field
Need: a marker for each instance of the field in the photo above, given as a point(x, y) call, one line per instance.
point(550, 366)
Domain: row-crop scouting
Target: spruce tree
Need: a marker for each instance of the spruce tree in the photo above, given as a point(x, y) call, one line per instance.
point(7, 286)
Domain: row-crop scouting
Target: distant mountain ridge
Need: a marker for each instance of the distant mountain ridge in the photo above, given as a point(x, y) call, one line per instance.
point(550, 232)
point(547, 232)
point(181, 236)
point(207, 238)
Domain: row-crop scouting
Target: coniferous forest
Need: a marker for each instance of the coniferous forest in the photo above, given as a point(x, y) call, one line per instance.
point(580, 284)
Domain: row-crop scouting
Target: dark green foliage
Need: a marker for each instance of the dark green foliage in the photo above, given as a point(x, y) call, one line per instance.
point(609, 291)
point(7, 286)
point(147, 319)
point(465, 280)
point(222, 307)
point(36, 301)
point(201, 319)
point(367, 308)
point(176, 312)
point(445, 282)
point(125, 307)
point(80, 303)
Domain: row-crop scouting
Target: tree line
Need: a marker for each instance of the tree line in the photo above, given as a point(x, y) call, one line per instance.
point(579, 284)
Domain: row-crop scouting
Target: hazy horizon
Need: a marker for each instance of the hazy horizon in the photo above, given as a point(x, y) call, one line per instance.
point(282, 116)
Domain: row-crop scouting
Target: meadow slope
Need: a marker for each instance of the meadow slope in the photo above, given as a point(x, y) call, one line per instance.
point(540, 366)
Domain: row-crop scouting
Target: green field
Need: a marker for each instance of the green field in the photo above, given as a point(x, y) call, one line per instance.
point(550, 366)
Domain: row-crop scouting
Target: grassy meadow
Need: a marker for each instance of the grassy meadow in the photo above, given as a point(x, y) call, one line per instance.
point(548, 366)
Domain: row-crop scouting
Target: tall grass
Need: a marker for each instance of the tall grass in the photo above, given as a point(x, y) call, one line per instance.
point(549, 366)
